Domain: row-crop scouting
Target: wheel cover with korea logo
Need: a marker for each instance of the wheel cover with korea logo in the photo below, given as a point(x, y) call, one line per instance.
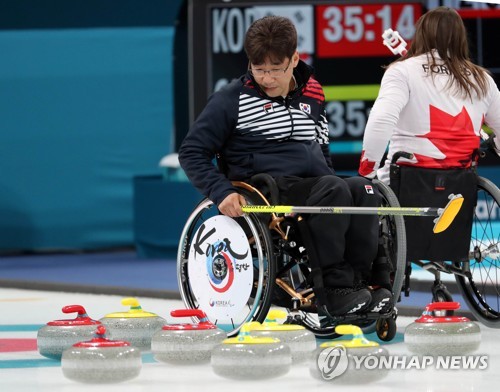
point(220, 268)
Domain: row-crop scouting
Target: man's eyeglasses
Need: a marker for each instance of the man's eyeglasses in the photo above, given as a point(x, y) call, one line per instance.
point(274, 73)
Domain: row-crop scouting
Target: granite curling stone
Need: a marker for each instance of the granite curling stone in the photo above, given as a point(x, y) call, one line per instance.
point(302, 342)
point(186, 343)
point(58, 335)
point(247, 357)
point(135, 326)
point(101, 360)
point(356, 361)
point(442, 335)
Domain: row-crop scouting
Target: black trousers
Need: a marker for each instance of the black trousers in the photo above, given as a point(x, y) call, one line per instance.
point(345, 245)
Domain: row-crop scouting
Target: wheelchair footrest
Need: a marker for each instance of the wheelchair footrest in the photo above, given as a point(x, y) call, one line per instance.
point(367, 316)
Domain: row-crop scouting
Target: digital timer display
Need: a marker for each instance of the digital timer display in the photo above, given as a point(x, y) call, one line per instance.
point(355, 30)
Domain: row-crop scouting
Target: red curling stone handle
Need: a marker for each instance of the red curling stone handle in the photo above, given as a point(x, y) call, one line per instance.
point(443, 306)
point(74, 308)
point(188, 313)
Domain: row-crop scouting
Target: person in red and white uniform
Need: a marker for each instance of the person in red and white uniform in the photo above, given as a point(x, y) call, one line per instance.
point(432, 102)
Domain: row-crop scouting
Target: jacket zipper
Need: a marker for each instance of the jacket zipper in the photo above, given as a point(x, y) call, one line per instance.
point(287, 106)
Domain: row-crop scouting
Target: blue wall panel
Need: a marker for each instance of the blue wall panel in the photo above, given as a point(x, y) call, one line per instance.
point(82, 111)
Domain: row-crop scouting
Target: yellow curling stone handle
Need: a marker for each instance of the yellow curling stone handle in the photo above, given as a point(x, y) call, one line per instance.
point(134, 312)
point(357, 341)
point(244, 336)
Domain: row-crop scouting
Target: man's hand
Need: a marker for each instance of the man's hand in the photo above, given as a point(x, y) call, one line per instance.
point(231, 205)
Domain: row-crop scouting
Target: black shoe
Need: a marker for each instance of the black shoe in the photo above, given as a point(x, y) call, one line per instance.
point(381, 301)
point(347, 301)
point(360, 284)
point(324, 319)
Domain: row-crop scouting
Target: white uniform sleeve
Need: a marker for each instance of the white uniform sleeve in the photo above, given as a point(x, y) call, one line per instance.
point(392, 98)
point(492, 117)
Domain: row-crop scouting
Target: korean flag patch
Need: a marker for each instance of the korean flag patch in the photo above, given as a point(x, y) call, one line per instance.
point(306, 108)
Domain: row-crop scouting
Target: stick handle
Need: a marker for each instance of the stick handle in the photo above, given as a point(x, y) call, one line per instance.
point(402, 211)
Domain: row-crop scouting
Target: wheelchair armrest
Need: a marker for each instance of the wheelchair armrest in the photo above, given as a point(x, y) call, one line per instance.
point(264, 179)
point(400, 154)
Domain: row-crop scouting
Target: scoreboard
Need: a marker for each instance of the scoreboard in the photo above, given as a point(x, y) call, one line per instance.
point(355, 30)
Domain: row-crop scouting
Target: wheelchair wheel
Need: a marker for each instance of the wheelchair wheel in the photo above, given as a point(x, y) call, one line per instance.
point(393, 235)
point(481, 290)
point(441, 294)
point(386, 329)
point(226, 267)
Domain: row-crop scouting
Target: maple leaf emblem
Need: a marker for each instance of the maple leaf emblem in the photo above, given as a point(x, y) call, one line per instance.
point(452, 136)
point(366, 167)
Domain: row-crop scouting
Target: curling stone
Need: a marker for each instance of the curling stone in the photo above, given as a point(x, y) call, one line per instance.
point(135, 326)
point(353, 361)
point(247, 357)
point(442, 335)
point(58, 335)
point(301, 341)
point(101, 360)
point(186, 343)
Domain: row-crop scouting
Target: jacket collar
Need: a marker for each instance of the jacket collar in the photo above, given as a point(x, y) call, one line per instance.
point(302, 73)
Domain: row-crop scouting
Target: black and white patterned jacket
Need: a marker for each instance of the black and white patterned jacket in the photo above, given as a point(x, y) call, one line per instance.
point(258, 134)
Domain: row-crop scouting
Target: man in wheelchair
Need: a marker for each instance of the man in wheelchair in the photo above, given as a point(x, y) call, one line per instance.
point(272, 120)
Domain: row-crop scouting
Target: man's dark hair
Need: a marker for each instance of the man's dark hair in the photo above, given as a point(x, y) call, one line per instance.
point(271, 37)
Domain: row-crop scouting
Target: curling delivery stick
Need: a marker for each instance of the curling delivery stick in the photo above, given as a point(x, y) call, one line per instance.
point(445, 216)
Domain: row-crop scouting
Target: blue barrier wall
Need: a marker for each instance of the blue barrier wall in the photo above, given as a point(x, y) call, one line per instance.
point(82, 111)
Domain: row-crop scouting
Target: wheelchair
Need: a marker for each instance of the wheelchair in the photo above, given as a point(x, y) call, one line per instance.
point(236, 269)
point(478, 275)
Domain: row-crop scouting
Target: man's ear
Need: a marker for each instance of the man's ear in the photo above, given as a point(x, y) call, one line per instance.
point(295, 58)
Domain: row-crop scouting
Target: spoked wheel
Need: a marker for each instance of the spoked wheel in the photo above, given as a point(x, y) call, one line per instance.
point(481, 290)
point(226, 267)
